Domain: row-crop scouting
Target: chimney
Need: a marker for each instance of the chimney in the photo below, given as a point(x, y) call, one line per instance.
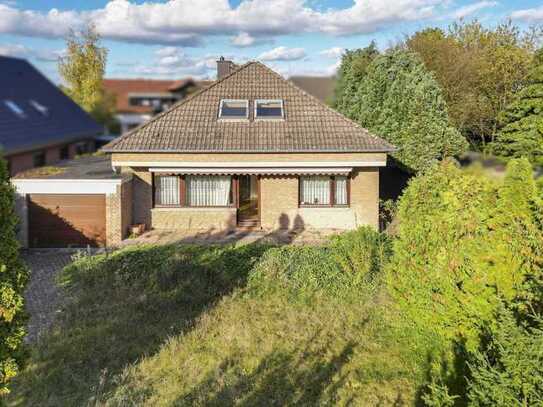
point(224, 67)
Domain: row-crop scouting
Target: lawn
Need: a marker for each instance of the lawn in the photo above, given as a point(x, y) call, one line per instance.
point(237, 325)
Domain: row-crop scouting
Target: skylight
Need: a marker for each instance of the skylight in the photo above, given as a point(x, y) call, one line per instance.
point(14, 107)
point(39, 107)
point(269, 109)
point(234, 109)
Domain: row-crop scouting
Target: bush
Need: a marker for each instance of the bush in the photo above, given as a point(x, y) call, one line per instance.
point(465, 245)
point(349, 264)
point(13, 279)
point(507, 369)
point(362, 252)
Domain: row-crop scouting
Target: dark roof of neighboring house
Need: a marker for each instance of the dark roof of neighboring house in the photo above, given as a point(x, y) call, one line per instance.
point(84, 167)
point(122, 88)
point(191, 125)
point(322, 87)
point(60, 121)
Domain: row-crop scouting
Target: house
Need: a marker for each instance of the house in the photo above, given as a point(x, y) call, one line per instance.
point(39, 125)
point(252, 150)
point(137, 100)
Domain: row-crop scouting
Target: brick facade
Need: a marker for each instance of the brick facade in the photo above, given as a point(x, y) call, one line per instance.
point(119, 213)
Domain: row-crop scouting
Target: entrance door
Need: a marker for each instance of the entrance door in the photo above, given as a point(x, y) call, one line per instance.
point(248, 212)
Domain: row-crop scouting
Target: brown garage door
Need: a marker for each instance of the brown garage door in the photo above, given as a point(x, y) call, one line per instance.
point(56, 220)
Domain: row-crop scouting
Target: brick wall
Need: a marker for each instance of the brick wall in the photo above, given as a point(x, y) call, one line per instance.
point(52, 155)
point(20, 162)
point(118, 213)
point(142, 197)
point(197, 219)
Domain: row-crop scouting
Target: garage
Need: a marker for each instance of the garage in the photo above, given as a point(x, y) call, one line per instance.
point(66, 220)
point(78, 203)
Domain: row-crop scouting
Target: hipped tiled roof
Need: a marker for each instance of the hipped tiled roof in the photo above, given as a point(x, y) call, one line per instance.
point(192, 125)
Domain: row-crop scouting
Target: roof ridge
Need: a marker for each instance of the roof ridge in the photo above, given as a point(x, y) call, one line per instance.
point(314, 98)
point(175, 106)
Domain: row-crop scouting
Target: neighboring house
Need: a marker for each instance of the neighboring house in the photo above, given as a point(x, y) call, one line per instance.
point(252, 150)
point(39, 125)
point(137, 100)
point(322, 87)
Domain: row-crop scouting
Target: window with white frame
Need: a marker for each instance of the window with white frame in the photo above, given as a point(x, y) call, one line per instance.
point(15, 108)
point(323, 190)
point(193, 190)
point(234, 109)
point(268, 109)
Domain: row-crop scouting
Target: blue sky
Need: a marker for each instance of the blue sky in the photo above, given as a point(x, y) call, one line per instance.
point(179, 38)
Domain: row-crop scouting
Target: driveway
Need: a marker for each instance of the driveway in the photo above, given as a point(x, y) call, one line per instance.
point(42, 293)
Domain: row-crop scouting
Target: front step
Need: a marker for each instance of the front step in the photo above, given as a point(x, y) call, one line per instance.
point(248, 223)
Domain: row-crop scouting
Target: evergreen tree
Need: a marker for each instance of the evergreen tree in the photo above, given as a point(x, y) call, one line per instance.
point(521, 133)
point(13, 278)
point(350, 73)
point(399, 100)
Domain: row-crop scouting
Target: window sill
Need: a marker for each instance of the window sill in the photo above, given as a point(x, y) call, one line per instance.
point(193, 208)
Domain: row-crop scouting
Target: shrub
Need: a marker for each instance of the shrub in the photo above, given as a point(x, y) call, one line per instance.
point(507, 369)
point(13, 278)
point(362, 252)
point(465, 245)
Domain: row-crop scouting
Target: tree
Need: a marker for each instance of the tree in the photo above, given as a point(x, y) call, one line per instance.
point(399, 100)
point(82, 70)
point(521, 132)
point(350, 74)
point(479, 69)
point(466, 245)
point(13, 279)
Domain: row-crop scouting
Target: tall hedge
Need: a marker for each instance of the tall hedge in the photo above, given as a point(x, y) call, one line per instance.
point(466, 244)
point(399, 100)
point(13, 278)
point(521, 133)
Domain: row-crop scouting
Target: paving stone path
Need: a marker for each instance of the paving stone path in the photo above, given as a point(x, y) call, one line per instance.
point(42, 293)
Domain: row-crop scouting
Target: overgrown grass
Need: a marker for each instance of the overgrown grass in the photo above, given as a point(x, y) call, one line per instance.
point(250, 325)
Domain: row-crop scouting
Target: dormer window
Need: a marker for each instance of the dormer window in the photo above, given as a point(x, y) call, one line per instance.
point(234, 109)
point(269, 109)
point(14, 107)
point(39, 107)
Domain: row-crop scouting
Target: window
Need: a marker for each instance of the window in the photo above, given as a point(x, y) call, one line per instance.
point(38, 159)
point(208, 190)
point(324, 191)
point(269, 109)
point(234, 109)
point(167, 190)
point(14, 107)
point(193, 190)
point(39, 107)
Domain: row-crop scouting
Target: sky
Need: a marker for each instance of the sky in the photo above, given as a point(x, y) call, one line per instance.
point(180, 38)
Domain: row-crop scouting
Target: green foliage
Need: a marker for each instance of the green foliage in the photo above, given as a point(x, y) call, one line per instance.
point(507, 369)
point(465, 245)
point(521, 133)
point(13, 279)
point(348, 267)
point(399, 100)
point(479, 69)
point(82, 70)
point(363, 252)
point(350, 75)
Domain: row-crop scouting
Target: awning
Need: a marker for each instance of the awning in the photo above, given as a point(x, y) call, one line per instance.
point(255, 171)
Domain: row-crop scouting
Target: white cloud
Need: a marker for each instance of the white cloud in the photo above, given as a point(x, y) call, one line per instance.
point(22, 51)
point(333, 53)
point(530, 15)
point(470, 9)
point(283, 54)
point(181, 23)
point(244, 39)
